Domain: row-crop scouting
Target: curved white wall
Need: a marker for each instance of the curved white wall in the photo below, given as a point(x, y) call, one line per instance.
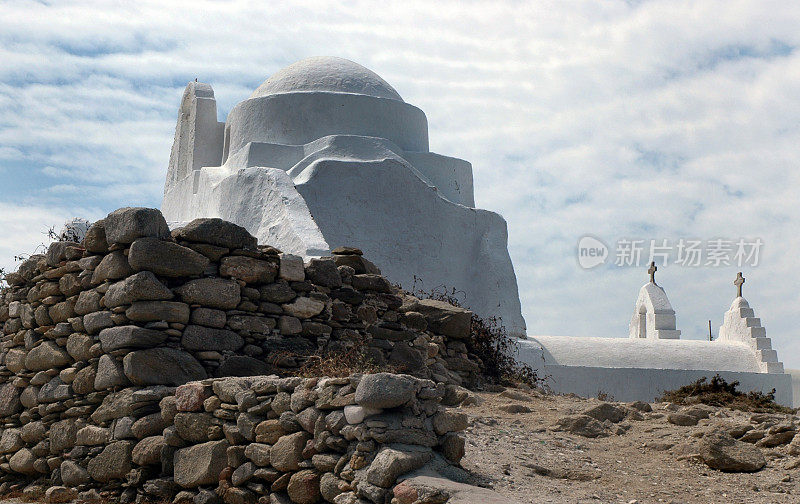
point(451, 176)
point(644, 353)
point(642, 369)
point(300, 118)
point(626, 384)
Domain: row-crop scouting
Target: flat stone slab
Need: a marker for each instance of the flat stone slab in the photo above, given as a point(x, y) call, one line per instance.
point(416, 488)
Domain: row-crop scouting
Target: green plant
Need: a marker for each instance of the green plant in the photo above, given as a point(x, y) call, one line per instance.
point(719, 392)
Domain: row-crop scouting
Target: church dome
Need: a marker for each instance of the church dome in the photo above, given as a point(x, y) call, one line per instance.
point(326, 74)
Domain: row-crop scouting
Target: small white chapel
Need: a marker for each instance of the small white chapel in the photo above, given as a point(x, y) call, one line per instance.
point(654, 359)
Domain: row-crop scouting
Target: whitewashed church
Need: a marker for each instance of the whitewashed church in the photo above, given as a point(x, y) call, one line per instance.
point(326, 153)
point(654, 359)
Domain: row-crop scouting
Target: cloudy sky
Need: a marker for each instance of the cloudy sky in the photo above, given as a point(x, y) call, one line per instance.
point(623, 120)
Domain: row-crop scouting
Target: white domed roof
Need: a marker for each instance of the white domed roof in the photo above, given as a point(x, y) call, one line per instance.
point(326, 73)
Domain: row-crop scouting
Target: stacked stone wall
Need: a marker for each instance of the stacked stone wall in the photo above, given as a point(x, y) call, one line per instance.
point(96, 334)
point(303, 440)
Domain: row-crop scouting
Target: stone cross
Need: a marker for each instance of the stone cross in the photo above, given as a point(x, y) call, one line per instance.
point(738, 283)
point(652, 270)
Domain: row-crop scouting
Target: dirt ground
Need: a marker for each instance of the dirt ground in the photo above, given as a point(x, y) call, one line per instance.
point(519, 456)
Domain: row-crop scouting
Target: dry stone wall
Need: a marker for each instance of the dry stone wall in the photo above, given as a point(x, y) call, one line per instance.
point(303, 440)
point(97, 335)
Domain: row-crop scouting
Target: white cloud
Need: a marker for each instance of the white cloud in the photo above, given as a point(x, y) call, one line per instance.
point(641, 119)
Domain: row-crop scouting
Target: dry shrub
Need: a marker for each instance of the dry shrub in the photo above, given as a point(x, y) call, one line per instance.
point(719, 392)
point(341, 363)
point(489, 344)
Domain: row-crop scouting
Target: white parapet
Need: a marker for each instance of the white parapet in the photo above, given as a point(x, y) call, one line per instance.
point(653, 316)
point(742, 326)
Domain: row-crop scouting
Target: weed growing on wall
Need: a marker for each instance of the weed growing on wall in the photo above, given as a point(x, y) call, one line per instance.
point(341, 363)
point(489, 344)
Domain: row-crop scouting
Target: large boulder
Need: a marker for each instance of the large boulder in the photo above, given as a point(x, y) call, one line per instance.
point(303, 487)
point(149, 425)
point(130, 336)
point(73, 474)
point(249, 324)
point(22, 462)
point(113, 267)
point(79, 346)
point(200, 464)
point(30, 267)
point(109, 374)
point(88, 302)
point(97, 321)
point(720, 451)
point(190, 397)
point(15, 360)
point(61, 312)
point(385, 390)
point(304, 307)
point(193, 427)
point(216, 232)
point(607, 411)
point(83, 383)
point(222, 293)
point(292, 268)
point(329, 486)
point(202, 338)
point(143, 286)
point(63, 435)
point(248, 269)
point(92, 435)
point(258, 453)
point(11, 441)
point(46, 356)
point(9, 400)
point(449, 420)
point(208, 317)
point(162, 366)
point(287, 453)
point(57, 251)
point(582, 425)
point(372, 282)
point(148, 451)
point(406, 358)
point(445, 490)
point(153, 311)
point(54, 390)
point(278, 292)
point(390, 463)
point(357, 262)
point(60, 495)
point(682, 419)
point(127, 224)
point(95, 239)
point(444, 318)
point(323, 272)
point(165, 258)
point(114, 405)
point(114, 462)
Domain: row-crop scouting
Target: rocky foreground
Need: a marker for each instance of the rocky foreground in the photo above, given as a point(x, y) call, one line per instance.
point(559, 449)
point(526, 447)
